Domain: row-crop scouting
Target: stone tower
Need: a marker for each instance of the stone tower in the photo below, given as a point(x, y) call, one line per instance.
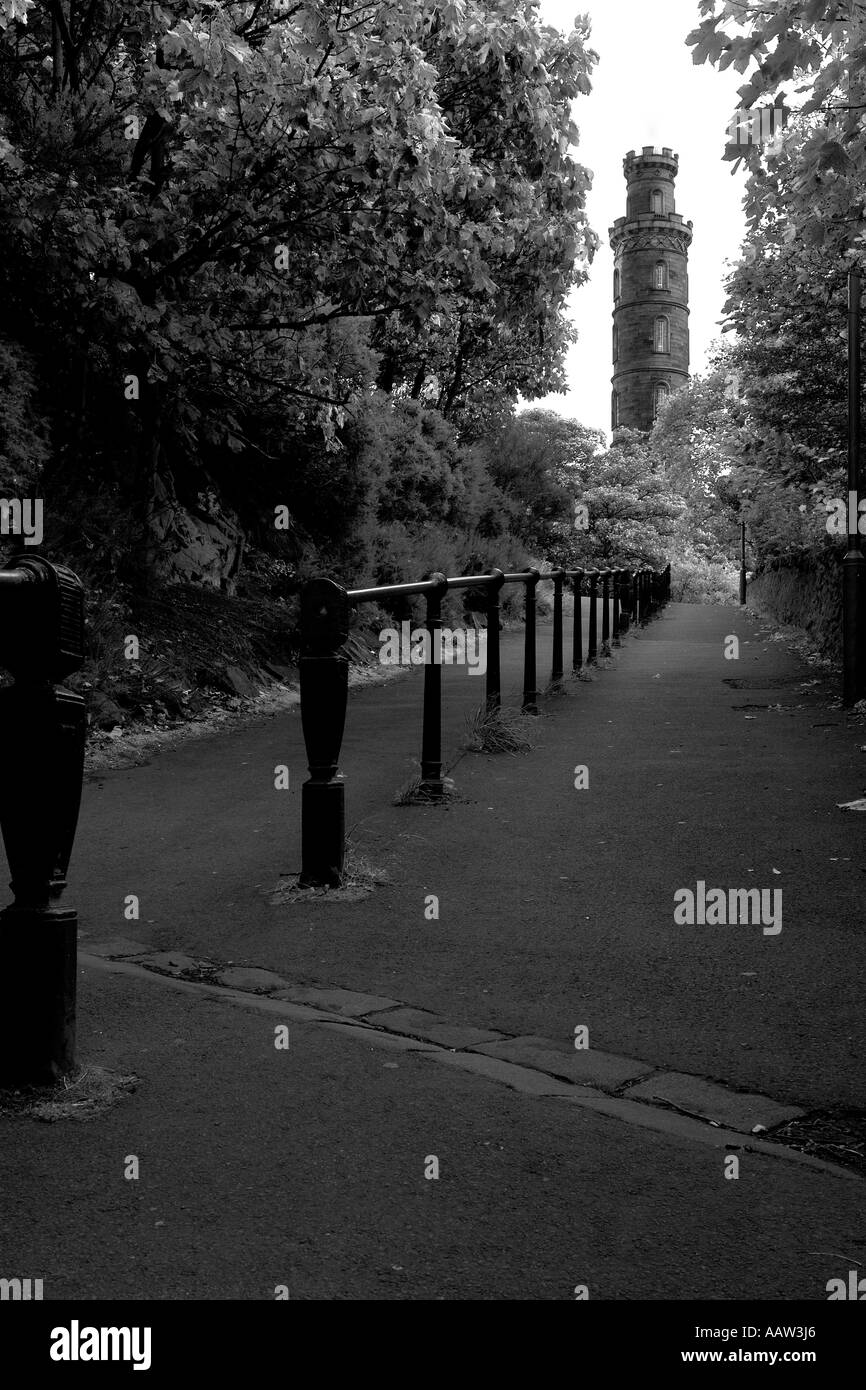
point(650, 291)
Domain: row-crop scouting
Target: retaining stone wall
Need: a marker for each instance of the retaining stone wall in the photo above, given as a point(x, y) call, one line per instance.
point(804, 590)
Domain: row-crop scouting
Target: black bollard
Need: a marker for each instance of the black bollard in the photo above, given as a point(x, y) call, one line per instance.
point(592, 644)
point(530, 694)
point(626, 600)
point(557, 576)
point(324, 676)
point(616, 625)
point(605, 612)
point(432, 782)
point(494, 678)
point(42, 642)
point(577, 638)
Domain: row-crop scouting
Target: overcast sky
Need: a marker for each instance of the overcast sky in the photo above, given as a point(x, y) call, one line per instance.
point(647, 91)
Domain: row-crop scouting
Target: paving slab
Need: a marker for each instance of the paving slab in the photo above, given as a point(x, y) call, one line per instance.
point(340, 1001)
point(251, 978)
point(172, 962)
point(738, 1109)
point(114, 946)
point(423, 1024)
point(679, 1126)
point(307, 1169)
point(522, 1079)
point(589, 1066)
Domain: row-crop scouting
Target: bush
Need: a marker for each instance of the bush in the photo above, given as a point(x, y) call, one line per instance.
point(695, 579)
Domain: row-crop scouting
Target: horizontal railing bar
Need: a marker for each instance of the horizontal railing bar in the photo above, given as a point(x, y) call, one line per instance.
point(470, 581)
point(423, 586)
point(473, 581)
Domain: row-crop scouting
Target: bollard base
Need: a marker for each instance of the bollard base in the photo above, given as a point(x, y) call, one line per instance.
point(431, 788)
point(37, 998)
point(323, 834)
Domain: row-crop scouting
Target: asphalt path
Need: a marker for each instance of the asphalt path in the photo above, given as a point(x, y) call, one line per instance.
point(305, 1168)
point(556, 905)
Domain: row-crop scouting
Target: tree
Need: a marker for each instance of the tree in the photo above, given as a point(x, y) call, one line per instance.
point(783, 41)
point(507, 88)
point(632, 507)
point(536, 462)
point(218, 217)
point(787, 293)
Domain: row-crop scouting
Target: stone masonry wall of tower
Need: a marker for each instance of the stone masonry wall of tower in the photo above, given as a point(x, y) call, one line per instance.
point(651, 291)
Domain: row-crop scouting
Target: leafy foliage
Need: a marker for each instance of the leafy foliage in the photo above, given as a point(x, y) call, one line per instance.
point(786, 367)
point(222, 224)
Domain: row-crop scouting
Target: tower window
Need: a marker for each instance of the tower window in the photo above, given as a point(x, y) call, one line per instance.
point(660, 275)
point(615, 343)
point(661, 392)
point(616, 285)
point(658, 201)
point(614, 410)
point(662, 335)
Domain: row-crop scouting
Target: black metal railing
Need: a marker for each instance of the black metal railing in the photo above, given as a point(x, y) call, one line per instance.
point(627, 597)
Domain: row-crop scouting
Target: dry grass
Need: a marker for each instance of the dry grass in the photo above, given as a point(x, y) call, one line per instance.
point(83, 1095)
point(359, 874)
point(360, 878)
point(497, 731)
point(555, 689)
point(415, 794)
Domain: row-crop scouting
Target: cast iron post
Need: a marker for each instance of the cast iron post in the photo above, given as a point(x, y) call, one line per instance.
point(605, 612)
point(557, 576)
point(577, 636)
point(494, 678)
point(530, 694)
point(324, 675)
point(627, 600)
point(432, 783)
point(592, 641)
point(41, 642)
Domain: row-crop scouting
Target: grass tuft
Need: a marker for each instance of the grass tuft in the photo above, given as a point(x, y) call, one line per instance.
point(497, 731)
point(359, 874)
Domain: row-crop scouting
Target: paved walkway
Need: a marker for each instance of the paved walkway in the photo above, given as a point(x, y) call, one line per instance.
point(556, 911)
